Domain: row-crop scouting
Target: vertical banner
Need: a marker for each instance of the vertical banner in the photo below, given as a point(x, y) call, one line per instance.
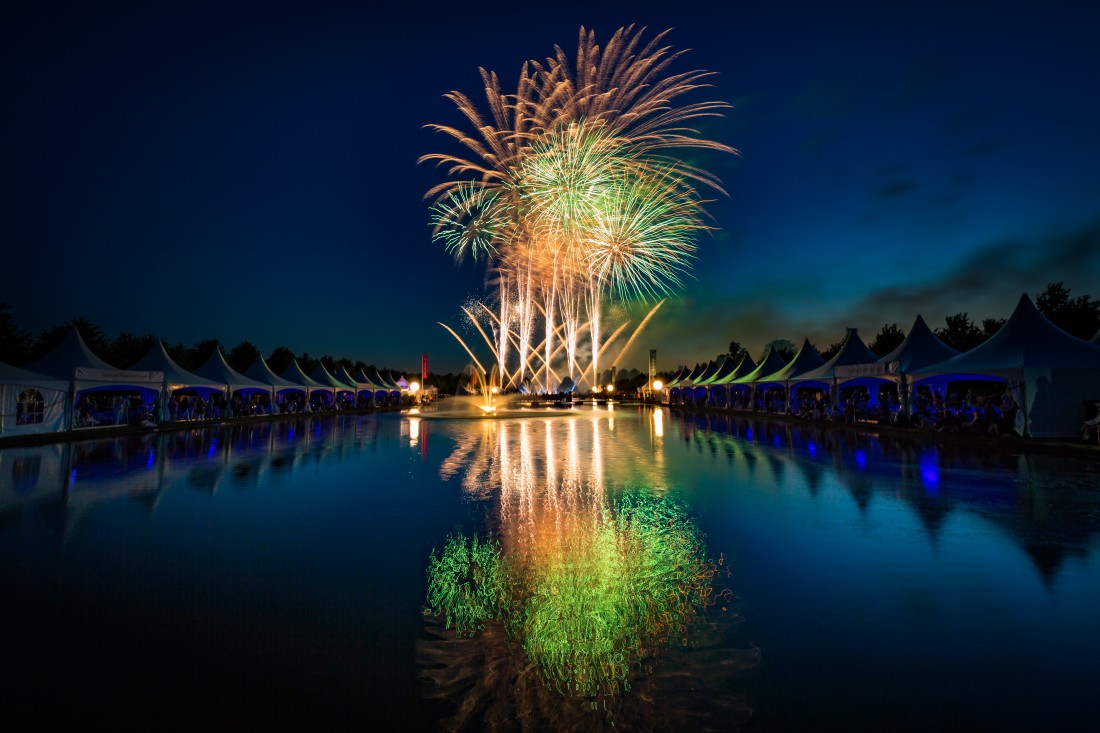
point(423, 369)
point(652, 366)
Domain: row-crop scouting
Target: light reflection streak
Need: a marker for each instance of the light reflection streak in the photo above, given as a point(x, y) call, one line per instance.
point(593, 579)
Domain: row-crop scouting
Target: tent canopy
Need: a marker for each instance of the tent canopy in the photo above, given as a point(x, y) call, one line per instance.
point(322, 376)
point(294, 374)
point(711, 372)
point(1050, 372)
point(217, 369)
point(745, 366)
point(921, 348)
point(74, 362)
point(261, 373)
point(1026, 340)
point(852, 351)
point(807, 359)
point(175, 376)
point(771, 363)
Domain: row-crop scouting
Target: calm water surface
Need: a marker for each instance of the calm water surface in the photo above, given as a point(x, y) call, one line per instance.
point(645, 571)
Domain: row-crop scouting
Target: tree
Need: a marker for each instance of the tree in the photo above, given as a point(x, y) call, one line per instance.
point(279, 359)
point(888, 339)
point(960, 333)
point(307, 362)
point(241, 356)
point(179, 353)
point(991, 326)
point(15, 343)
point(197, 355)
point(737, 352)
point(783, 347)
point(51, 338)
point(127, 349)
point(1077, 316)
point(830, 352)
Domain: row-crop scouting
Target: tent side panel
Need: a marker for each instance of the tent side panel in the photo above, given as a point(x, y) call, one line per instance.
point(1056, 400)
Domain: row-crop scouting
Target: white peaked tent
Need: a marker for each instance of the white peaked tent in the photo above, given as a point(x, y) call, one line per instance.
point(74, 362)
point(217, 369)
point(717, 391)
point(920, 348)
point(853, 353)
point(807, 359)
point(175, 377)
point(365, 383)
point(324, 377)
point(728, 370)
point(771, 363)
point(294, 374)
point(1095, 340)
point(1053, 375)
point(261, 373)
point(744, 367)
point(31, 403)
point(355, 384)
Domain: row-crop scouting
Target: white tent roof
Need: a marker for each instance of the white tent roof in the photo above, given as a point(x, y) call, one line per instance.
point(772, 362)
point(26, 378)
point(73, 360)
point(68, 356)
point(175, 376)
point(294, 374)
point(920, 348)
point(852, 351)
point(344, 376)
point(377, 378)
point(727, 374)
point(1095, 339)
point(262, 373)
point(1026, 340)
point(216, 368)
point(323, 376)
point(362, 378)
point(807, 359)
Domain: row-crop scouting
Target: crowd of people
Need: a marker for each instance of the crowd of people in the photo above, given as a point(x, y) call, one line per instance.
point(188, 406)
point(970, 414)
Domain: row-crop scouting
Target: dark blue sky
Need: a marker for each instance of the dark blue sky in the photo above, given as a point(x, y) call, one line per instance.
point(249, 171)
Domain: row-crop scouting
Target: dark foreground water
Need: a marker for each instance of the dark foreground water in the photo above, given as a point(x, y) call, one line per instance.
point(633, 571)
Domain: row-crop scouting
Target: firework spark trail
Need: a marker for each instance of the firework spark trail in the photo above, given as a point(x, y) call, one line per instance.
point(638, 330)
point(569, 193)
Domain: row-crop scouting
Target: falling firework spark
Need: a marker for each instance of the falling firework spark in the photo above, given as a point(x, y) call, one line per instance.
point(569, 193)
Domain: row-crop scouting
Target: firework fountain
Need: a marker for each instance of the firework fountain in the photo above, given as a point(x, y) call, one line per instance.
point(570, 197)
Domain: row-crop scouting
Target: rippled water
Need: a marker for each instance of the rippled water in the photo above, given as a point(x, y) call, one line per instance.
point(635, 571)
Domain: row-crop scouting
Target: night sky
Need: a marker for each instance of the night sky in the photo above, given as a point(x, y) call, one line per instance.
point(249, 172)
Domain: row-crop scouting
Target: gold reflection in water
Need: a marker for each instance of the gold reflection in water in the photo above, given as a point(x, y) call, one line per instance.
point(584, 582)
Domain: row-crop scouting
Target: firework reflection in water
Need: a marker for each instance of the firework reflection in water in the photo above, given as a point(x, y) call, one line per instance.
point(585, 605)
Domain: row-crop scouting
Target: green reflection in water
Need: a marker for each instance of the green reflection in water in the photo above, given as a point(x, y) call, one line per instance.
point(467, 583)
point(590, 605)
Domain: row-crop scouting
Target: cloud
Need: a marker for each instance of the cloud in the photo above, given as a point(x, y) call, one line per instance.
point(986, 284)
